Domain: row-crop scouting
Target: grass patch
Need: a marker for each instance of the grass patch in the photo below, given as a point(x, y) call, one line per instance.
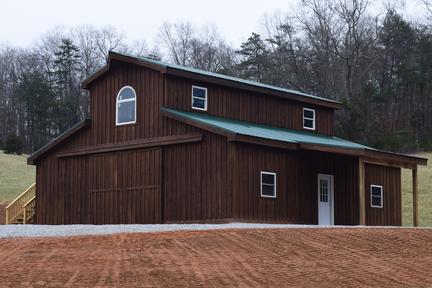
point(15, 176)
point(425, 194)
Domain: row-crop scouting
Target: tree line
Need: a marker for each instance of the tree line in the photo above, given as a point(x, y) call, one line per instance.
point(379, 66)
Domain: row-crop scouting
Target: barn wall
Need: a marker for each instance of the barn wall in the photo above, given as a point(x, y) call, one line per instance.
point(149, 86)
point(195, 181)
point(345, 171)
point(390, 179)
point(297, 174)
point(49, 198)
point(74, 188)
point(248, 161)
point(247, 106)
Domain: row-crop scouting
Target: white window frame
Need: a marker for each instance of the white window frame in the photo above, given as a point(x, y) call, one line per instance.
point(124, 101)
point(205, 98)
point(261, 184)
point(306, 118)
point(382, 196)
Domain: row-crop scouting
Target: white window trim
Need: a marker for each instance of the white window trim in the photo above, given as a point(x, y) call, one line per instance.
point(261, 184)
point(205, 98)
point(382, 196)
point(306, 118)
point(124, 101)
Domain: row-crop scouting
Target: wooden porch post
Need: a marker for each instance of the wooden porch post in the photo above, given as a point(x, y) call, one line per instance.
point(362, 193)
point(415, 197)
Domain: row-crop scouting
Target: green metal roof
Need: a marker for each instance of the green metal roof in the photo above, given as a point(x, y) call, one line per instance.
point(235, 79)
point(267, 132)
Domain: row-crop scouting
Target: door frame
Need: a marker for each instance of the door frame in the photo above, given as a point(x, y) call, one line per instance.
point(332, 201)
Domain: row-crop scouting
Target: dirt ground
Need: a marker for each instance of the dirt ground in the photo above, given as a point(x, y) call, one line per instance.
point(2, 213)
point(248, 258)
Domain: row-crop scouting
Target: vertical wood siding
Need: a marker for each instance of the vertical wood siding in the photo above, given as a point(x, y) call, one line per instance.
point(390, 179)
point(345, 172)
point(195, 181)
point(49, 200)
point(73, 175)
point(297, 173)
point(247, 106)
point(125, 187)
point(248, 204)
point(121, 187)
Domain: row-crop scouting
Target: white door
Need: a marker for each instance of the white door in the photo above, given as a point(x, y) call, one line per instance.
point(325, 199)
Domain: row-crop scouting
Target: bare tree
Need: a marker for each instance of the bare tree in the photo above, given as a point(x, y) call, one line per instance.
point(108, 39)
point(176, 39)
point(428, 4)
point(345, 29)
point(199, 48)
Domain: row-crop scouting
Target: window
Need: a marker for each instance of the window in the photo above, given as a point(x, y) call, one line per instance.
point(308, 119)
point(268, 184)
point(324, 190)
point(199, 98)
point(126, 106)
point(376, 196)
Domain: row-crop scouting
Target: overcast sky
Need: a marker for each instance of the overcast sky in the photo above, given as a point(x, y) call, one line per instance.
point(23, 21)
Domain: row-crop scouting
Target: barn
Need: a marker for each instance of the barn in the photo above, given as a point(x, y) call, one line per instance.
point(171, 144)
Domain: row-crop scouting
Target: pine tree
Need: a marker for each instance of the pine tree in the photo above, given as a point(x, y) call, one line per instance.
point(255, 62)
point(67, 87)
point(36, 95)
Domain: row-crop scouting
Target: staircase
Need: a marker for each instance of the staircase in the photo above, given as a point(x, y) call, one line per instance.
point(22, 209)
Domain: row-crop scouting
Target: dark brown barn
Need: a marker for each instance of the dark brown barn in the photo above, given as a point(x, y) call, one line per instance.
point(166, 143)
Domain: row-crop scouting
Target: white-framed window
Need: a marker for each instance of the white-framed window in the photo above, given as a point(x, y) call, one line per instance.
point(126, 106)
point(308, 119)
point(199, 98)
point(376, 196)
point(268, 184)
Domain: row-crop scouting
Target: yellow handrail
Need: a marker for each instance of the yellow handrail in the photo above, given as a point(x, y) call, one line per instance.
point(28, 209)
point(22, 194)
point(16, 207)
point(28, 202)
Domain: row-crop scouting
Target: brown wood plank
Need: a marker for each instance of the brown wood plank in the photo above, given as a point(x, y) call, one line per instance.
point(362, 193)
point(415, 197)
point(137, 144)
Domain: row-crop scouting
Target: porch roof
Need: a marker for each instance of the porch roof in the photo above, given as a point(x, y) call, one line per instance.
point(243, 131)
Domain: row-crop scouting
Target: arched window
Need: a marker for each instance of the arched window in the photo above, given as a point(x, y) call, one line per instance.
point(126, 106)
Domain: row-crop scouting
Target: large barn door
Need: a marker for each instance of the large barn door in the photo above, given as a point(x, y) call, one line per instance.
point(125, 187)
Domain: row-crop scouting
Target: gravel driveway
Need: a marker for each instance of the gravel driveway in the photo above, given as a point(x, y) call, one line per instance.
point(7, 231)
